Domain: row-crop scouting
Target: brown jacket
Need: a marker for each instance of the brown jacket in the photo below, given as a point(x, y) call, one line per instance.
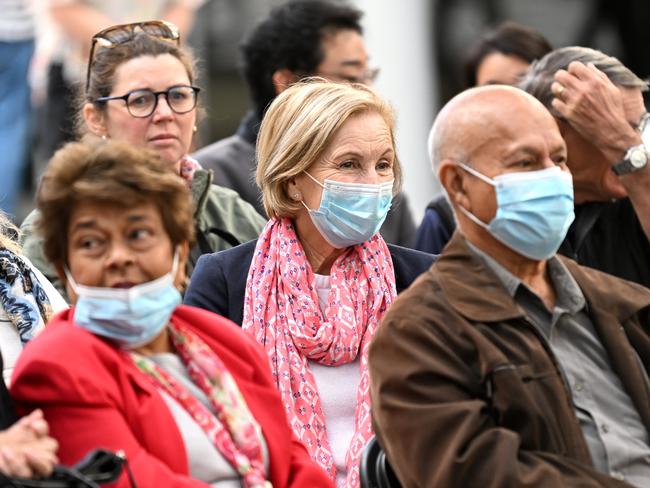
point(465, 393)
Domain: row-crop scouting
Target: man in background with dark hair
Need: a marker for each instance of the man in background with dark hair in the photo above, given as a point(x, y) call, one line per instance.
point(297, 39)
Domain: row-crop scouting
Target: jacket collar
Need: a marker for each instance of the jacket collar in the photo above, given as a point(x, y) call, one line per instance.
point(200, 189)
point(483, 298)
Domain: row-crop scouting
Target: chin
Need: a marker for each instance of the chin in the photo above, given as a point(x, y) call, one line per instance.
point(171, 157)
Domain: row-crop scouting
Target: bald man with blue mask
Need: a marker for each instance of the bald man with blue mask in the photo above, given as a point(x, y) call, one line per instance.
point(510, 365)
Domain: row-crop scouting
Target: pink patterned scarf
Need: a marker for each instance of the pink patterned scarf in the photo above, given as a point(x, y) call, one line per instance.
point(231, 426)
point(188, 167)
point(281, 311)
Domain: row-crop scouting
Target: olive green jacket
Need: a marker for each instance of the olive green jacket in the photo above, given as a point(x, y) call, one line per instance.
point(222, 220)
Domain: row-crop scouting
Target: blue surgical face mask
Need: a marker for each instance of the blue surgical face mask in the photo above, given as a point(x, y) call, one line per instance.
point(350, 213)
point(535, 210)
point(132, 317)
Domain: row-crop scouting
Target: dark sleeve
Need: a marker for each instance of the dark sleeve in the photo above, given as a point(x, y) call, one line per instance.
point(429, 415)
point(432, 235)
point(208, 287)
point(7, 409)
point(408, 265)
point(399, 227)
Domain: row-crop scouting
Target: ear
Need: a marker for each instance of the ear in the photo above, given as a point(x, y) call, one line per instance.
point(72, 297)
point(452, 179)
point(283, 79)
point(181, 279)
point(293, 190)
point(95, 120)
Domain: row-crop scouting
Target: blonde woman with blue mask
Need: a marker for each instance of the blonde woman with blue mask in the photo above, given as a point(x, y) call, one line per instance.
point(314, 286)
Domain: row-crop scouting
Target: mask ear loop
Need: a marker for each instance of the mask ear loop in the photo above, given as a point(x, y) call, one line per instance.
point(480, 176)
point(71, 280)
point(175, 262)
point(473, 172)
point(319, 184)
point(315, 180)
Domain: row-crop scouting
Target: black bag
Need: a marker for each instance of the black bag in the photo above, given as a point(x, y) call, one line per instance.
point(97, 468)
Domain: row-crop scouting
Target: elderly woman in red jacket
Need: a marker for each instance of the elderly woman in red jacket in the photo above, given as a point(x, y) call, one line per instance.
point(183, 392)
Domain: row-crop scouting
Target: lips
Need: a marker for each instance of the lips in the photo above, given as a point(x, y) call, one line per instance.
point(123, 284)
point(163, 138)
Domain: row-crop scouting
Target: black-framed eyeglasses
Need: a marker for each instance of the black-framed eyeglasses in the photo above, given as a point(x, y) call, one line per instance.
point(142, 103)
point(119, 34)
point(367, 77)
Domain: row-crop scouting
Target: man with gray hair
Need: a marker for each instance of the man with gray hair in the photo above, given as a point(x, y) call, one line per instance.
point(598, 105)
point(505, 364)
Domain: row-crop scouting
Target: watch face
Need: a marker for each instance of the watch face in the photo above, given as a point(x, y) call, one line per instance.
point(638, 158)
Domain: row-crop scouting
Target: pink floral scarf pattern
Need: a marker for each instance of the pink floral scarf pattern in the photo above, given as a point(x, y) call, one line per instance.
point(231, 428)
point(189, 166)
point(281, 311)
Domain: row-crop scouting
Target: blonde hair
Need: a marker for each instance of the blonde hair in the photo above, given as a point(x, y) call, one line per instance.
point(299, 125)
point(9, 234)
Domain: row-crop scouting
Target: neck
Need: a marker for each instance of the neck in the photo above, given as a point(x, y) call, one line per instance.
point(531, 272)
point(320, 254)
point(160, 344)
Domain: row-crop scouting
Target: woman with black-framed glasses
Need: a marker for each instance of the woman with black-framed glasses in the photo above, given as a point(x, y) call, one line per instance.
point(140, 89)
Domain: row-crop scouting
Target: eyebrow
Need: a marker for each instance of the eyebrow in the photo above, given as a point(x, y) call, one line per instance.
point(91, 223)
point(352, 62)
point(530, 151)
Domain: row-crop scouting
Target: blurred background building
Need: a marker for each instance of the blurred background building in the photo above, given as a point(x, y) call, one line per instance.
point(418, 44)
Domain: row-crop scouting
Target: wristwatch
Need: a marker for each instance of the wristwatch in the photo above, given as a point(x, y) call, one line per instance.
point(635, 158)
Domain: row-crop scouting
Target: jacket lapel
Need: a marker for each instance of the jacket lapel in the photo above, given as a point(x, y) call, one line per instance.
point(481, 299)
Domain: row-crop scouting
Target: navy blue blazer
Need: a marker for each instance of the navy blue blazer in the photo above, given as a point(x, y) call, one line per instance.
point(219, 279)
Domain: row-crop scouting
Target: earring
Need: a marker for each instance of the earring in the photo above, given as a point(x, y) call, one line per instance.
point(104, 137)
point(296, 196)
point(194, 129)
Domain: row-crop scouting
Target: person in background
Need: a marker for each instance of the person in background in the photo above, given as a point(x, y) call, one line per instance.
point(27, 299)
point(298, 39)
point(185, 394)
point(501, 57)
point(16, 50)
point(598, 105)
point(26, 449)
point(74, 22)
point(314, 286)
point(505, 363)
point(139, 89)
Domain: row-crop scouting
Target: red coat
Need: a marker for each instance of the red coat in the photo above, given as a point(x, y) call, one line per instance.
point(94, 396)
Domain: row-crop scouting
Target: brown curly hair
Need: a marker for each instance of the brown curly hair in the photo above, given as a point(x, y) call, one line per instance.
point(113, 173)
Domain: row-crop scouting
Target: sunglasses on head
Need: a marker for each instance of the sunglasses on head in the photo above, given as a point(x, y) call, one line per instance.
point(120, 34)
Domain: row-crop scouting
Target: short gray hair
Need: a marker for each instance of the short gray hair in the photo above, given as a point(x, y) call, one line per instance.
point(539, 77)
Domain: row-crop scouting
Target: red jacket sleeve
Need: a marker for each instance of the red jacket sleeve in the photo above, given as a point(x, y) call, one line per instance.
point(82, 418)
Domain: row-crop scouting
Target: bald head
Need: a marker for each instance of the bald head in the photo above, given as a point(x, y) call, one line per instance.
point(476, 116)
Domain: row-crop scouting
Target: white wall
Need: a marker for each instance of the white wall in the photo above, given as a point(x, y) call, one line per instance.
point(399, 39)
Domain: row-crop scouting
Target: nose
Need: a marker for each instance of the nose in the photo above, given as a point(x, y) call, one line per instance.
point(162, 110)
point(374, 177)
point(119, 256)
point(549, 163)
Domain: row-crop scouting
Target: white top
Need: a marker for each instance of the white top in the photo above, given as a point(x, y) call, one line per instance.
point(10, 345)
point(337, 388)
point(206, 463)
